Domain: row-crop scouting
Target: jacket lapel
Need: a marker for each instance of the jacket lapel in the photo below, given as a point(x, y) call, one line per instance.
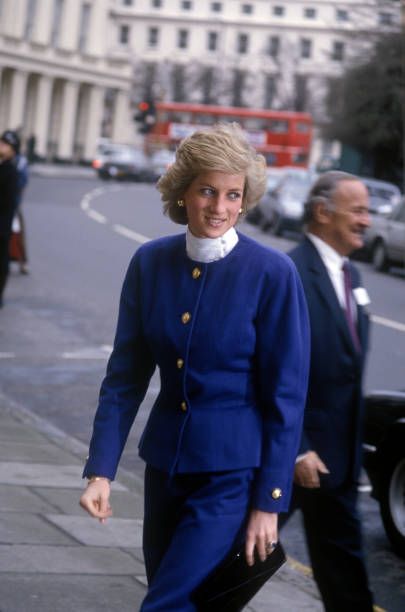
point(323, 286)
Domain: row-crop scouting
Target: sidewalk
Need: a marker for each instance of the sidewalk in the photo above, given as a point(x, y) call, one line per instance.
point(53, 557)
point(73, 171)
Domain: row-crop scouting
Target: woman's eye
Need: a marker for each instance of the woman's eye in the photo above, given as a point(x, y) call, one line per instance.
point(234, 195)
point(207, 191)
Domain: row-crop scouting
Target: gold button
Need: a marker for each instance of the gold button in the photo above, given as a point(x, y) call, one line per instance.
point(196, 273)
point(276, 493)
point(183, 406)
point(180, 363)
point(185, 317)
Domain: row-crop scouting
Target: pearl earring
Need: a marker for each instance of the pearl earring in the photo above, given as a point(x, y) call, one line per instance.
point(180, 203)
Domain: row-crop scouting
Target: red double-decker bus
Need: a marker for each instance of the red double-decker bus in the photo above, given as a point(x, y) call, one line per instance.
point(283, 137)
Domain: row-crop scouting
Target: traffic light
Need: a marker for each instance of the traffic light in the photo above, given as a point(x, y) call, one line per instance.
point(146, 116)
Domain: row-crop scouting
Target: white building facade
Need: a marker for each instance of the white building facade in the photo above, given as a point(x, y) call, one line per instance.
point(73, 70)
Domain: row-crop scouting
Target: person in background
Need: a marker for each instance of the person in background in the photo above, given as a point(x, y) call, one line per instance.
point(9, 193)
point(225, 321)
point(23, 177)
point(329, 460)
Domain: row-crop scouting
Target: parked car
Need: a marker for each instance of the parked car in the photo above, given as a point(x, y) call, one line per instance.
point(282, 207)
point(384, 240)
point(384, 460)
point(383, 196)
point(122, 162)
point(160, 162)
point(254, 215)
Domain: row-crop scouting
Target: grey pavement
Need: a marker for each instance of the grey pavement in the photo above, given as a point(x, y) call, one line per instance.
point(55, 558)
point(73, 171)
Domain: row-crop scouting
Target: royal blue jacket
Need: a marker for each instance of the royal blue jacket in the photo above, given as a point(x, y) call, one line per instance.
point(231, 340)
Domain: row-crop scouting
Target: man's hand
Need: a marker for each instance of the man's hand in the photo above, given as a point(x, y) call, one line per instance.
point(307, 470)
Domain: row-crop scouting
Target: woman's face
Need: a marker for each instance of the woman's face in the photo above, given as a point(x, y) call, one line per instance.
point(213, 202)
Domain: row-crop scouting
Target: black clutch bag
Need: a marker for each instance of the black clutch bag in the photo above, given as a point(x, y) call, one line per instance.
point(233, 584)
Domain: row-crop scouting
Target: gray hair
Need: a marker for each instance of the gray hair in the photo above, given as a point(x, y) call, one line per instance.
point(222, 148)
point(323, 190)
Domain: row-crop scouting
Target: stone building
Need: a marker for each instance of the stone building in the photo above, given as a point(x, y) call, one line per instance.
point(72, 71)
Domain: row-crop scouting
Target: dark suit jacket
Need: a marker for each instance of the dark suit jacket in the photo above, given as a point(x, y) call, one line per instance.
point(233, 373)
point(333, 414)
point(9, 191)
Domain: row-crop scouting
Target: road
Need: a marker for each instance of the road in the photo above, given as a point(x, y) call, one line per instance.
point(57, 326)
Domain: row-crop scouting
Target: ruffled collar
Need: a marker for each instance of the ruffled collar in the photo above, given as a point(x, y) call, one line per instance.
point(206, 250)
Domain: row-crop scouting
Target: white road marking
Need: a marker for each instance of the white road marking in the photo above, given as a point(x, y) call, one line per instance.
point(124, 231)
point(388, 323)
point(96, 216)
point(97, 352)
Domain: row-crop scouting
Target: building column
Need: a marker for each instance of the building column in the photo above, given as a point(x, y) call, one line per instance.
point(95, 116)
point(18, 91)
point(43, 110)
point(69, 29)
point(121, 119)
point(13, 18)
point(97, 34)
point(68, 118)
point(41, 32)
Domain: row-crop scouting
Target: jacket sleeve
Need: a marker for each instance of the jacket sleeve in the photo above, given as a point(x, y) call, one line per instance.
point(129, 370)
point(283, 349)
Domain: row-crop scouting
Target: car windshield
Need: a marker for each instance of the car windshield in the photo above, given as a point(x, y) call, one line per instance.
point(296, 186)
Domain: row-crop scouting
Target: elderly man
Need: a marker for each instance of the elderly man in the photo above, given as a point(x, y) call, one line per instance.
point(9, 193)
point(329, 460)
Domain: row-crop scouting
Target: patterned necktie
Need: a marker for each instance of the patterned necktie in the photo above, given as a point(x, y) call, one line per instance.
point(349, 306)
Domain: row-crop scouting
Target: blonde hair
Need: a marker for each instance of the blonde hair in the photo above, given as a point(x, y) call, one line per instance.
point(222, 148)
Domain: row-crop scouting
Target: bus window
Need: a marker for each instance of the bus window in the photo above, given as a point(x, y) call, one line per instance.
point(300, 158)
point(278, 126)
point(302, 128)
point(253, 123)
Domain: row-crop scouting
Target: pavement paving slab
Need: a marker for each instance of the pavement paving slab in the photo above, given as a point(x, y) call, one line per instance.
point(54, 558)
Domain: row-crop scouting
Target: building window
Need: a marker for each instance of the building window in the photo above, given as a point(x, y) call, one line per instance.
point(310, 13)
point(274, 46)
point(243, 43)
point(385, 18)
point(247, 9)
point(157, 3)
point(29, 24)
point(278, 11)
point(306, 48)
point(182, 39)
point(216, 7)
point(123, 34)
point(338, 51)
point(212, 41)
point(270, 91)
point(56, 21)
point(153, 37)
point(84, 27)
point(342, 15)
point(186, 5)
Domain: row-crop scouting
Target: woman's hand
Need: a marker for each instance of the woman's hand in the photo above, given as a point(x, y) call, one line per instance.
point(95, 499)
point(261, 533)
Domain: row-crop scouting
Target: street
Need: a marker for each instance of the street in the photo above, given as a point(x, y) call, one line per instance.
point(57, 326)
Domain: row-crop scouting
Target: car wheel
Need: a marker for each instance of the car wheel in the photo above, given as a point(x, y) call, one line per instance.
point(379, 256)
point(392, 501)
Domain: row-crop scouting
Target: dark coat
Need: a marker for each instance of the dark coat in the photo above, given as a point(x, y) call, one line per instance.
point(9, 193)
point(333, 414)
point(236, 397)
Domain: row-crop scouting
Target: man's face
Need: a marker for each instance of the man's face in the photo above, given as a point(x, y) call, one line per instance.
point(6, 150)
point(350, 217)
